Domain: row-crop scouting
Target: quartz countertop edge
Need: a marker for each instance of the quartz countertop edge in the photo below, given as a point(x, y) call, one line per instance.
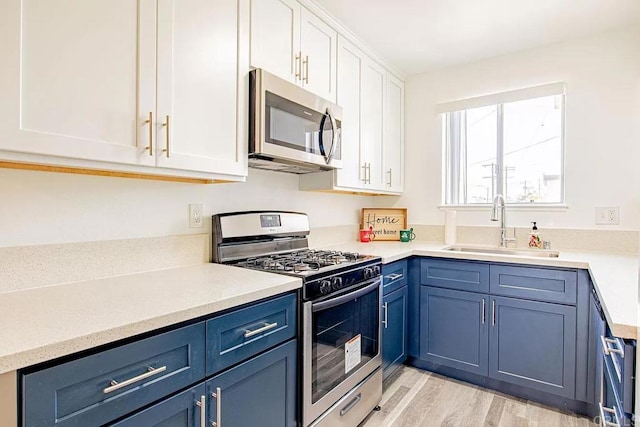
point(615, 276)
point(43, 324)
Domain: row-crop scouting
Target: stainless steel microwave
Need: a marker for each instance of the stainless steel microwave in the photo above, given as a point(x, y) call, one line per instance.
point(291, 129)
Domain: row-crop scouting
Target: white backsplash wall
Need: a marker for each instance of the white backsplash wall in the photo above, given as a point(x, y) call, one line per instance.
point(602, 145)
point(46, 208)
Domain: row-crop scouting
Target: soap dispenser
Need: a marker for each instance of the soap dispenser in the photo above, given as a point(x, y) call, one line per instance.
point(534, 237)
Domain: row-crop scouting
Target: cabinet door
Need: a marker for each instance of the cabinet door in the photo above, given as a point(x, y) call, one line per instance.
point(258, 392)
point(181, 410)
point(78, 78)
point(275, 37)
point(394, 135)
point(198, 80)
point(394, 329)
point(372, 101)
point(350, 66)
point(454, 329)
point(318, 42)
point(533, 344)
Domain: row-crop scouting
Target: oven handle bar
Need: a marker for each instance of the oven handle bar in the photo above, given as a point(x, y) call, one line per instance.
point(333, 302)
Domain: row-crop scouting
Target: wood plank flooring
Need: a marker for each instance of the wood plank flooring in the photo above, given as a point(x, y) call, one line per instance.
point(412, 398)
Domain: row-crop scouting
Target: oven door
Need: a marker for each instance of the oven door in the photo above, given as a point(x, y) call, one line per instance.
point(341, 346)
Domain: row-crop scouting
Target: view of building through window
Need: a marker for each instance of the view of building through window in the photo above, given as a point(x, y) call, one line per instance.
point(514, 149)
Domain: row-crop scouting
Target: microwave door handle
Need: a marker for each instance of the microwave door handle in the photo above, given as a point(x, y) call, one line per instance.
point(334, 135)
point(320, 133)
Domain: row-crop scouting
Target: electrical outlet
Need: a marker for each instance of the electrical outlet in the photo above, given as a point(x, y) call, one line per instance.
point(195, 215)
point(608, 215)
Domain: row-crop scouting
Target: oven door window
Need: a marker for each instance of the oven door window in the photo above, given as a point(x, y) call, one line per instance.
point(345, 338)
point(293, 126)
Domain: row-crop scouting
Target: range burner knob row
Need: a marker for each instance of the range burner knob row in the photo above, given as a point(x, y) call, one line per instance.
point(325, 286)
point(336, 283)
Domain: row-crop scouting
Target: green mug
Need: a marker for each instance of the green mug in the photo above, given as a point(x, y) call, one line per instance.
point(407, 235)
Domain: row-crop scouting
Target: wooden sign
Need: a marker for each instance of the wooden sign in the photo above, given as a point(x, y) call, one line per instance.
point(386, 222)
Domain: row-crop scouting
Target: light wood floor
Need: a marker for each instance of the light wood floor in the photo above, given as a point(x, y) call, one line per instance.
point(412, 397)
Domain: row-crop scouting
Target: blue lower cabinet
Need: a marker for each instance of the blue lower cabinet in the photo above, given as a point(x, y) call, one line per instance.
point(259, 392)
point(183, 410)
point(533, 344)
point(454, 329)
point(394, 330)
point(102, 387)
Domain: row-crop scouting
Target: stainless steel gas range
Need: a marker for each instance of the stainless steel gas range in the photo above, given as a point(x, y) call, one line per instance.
point(340, 312)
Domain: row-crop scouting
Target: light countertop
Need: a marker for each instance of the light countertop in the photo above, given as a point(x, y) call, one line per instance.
point(615, 276)
point(45, 323)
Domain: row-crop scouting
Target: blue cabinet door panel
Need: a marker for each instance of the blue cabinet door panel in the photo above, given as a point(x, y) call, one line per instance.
point(542, 284)
point(394, 330)
point(181, 410)
point(454, 329)
point(533, 344)
point(259, 392)
point(77, 393)
point(231, 337)
point(455, 274)
point(394, 276)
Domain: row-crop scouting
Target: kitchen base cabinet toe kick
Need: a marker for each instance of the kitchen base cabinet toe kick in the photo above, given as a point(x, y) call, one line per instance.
point(229, 370)
point(527, 331)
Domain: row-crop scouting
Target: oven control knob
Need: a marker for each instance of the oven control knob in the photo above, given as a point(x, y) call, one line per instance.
point(336, 283)
point(376, 270)
point(368, 273)
point(325, 287)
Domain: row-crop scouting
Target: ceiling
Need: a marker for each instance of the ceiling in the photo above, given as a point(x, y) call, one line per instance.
point(422, 35)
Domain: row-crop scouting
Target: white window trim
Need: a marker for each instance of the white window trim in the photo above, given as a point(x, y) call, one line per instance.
point(538, 207)
point(557, 88)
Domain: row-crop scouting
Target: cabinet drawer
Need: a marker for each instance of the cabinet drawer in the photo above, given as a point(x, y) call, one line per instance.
point(234, 337)
point(96, 389)
point(394, 276)
point(454, 274)
point(542, 284)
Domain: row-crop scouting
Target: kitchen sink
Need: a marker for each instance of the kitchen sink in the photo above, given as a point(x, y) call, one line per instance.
point(504, 251)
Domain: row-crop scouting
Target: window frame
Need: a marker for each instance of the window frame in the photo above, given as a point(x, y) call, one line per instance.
point(451, 177)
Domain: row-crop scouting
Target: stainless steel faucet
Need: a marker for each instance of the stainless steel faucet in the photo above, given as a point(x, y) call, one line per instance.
point(499, 207)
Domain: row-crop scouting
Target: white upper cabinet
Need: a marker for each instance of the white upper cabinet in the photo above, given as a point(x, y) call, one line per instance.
point(70, 78)
point(393, 153)
point(150, 83)
point(372, 124)
point(197, 124)
point(275, 37)
point(294, 44)
point(319, 45)
point(350, 64)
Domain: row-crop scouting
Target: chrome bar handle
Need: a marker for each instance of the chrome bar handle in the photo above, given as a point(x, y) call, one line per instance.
point(389, 173)
point(299, 65)
point(306, 67)
point(484, 316)
point(393, 276)
point(612, 411)
point(350, 405)
point(150, 121)
point(368, 173)
point(218, 396)
point(166, 126)
point(115, 385)
point(385, 307)
point(364, 167)
point(266, 327)
point(607, 350)
point(493, 313)
point(202, 404)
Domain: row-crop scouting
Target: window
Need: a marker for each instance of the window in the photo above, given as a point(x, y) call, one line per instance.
point(510, 144)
